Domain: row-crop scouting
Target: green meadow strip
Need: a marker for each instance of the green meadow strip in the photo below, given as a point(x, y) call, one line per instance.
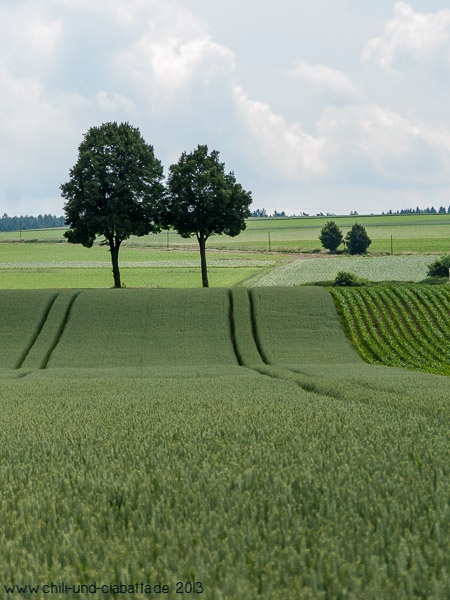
point(299, 326)
point(146, 328)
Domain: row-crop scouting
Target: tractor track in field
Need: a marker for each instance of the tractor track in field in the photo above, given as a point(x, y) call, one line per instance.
point(48, 332)
point(60, 330)
point(37, 332)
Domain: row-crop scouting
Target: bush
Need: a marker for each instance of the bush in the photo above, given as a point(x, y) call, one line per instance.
point(357, 240)
point(345, 279)
point(440, 267)
point(331, 236)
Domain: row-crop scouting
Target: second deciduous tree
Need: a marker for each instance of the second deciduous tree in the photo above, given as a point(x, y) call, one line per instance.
point(203, 200)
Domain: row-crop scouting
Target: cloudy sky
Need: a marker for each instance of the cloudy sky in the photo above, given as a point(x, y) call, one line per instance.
point(325, 106)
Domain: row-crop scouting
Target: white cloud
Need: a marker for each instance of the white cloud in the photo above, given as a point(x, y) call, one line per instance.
point(162, 68)
point(110, 102)
point(66, 65)
point(29, 39)
point(285, 149)
point(39, 130)
point(330, 82)
point(138, 13)
point(385, 144)
point(355, 142)
point(96, 62)
point(411, 37)
point(159, 48)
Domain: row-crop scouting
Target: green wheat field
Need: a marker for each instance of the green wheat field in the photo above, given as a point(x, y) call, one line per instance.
point(258, 439)
point(229, 441)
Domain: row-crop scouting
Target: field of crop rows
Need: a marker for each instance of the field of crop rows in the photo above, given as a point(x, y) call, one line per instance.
point(399, 326)
point(233, 438)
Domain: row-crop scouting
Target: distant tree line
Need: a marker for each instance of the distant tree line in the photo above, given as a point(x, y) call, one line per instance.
point(420, 211)
point(27, 222)
point(261, 212)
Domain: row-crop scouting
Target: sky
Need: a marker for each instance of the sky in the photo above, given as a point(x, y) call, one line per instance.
point(328, 106)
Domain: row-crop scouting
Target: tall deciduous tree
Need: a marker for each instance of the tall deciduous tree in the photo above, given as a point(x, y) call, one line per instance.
point(204, 200)
point(114, 189)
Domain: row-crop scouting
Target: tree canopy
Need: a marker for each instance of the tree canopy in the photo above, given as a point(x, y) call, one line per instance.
point(357, 239)
point(440, 267)
point(114, 189)
point(331, 236)
point(203, 200)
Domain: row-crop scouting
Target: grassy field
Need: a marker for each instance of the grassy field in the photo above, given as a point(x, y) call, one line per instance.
point(54, 265)
point(410, 233)
point(263, 254)
point(231, 438)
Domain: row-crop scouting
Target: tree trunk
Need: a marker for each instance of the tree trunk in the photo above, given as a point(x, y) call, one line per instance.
point(202, 243)
point(114, 249)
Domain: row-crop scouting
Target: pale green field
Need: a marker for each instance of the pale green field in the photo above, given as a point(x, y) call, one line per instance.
point(410, 233)
point(41, 265)
point(228, 437)
point(62, 265)
point(374, 268)
point(168, 277)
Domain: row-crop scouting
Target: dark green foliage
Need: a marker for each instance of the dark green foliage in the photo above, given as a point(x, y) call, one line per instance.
point(357, 240)
point(204, 200)
point(331, 236)
point(114, 189)
point(440, 267)
point(345, 279)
